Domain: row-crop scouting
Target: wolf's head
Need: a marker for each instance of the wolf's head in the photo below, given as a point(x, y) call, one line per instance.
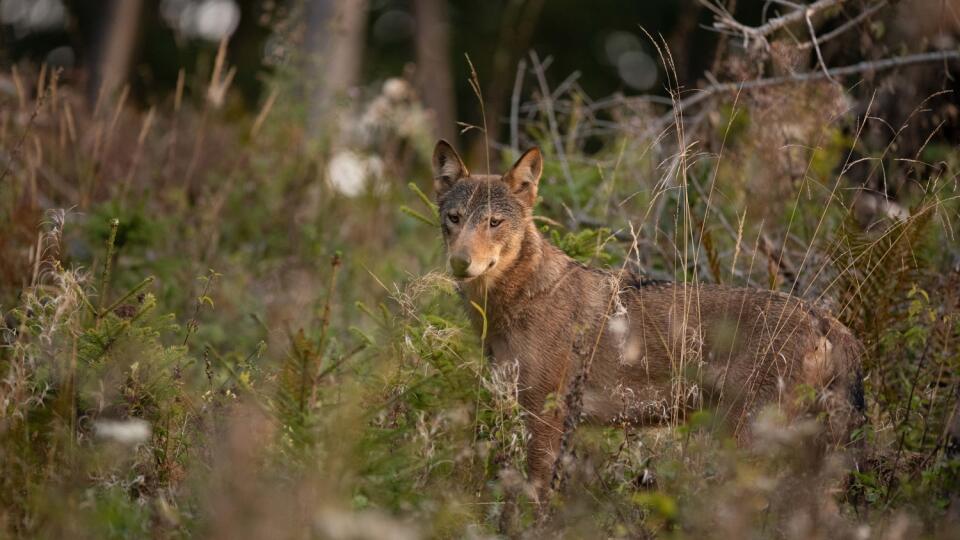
point(484, 217)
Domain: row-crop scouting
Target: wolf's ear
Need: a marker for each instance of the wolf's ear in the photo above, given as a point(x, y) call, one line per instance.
point(524, 176)
point(447, 167)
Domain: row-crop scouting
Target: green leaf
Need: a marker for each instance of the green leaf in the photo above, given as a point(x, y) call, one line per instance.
point(417, 215)
point(483, 314)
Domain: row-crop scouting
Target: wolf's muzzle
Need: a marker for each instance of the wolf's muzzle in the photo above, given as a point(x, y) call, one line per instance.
point(460, 265)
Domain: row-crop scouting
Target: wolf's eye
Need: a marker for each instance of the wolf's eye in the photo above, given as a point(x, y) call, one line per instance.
point(453, 218)
point(494, 222)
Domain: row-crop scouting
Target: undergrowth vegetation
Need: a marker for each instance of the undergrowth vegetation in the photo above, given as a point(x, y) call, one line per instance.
point(202, 337)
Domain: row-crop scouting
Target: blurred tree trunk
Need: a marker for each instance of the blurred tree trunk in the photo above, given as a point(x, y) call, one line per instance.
point(336, 32)
point(116, 54)
point(516, 31)
point(681, 38)
point(434, 69)
point(318, 15)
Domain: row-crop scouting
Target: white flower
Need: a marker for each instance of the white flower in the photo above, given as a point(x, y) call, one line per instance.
point(131, 431)
point(350, 173)
point(347, 173)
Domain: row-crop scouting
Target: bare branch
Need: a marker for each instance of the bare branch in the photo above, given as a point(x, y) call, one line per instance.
point(833, 73)
point(515, 108)
point(813, 39)
point(845, 26)
point(726, 22)
point(539, 69)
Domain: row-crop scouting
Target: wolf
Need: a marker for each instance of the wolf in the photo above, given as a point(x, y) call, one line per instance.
point(637, 351)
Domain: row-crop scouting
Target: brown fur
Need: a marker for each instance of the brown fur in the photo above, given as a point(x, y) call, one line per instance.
point(656, 350)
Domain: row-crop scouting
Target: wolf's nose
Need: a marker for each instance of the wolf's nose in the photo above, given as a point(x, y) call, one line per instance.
point(459, 264)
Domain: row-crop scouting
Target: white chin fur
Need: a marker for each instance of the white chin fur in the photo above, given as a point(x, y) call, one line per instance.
point(476, 271)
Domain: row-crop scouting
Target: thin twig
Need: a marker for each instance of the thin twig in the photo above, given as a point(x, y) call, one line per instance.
point(515, 107)
point(816, 47)
point(872, 65)
point(547, 101)
point(906, 417)
point(138, 153)
point(33, 116)
point(107, 264)
point(264, 112)
point(725, 21)
point(335, 263)
point(844, 27)
point(474, 81)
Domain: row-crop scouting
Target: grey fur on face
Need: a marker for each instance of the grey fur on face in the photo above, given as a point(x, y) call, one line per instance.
point(475, 202)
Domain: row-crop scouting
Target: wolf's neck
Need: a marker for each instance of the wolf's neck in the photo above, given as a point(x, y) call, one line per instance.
point(537, 270)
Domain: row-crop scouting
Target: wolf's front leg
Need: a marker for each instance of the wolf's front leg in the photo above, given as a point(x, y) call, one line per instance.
point(546, 430)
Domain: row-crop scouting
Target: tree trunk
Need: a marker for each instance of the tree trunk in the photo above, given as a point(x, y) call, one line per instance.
point(114, 62)
point(434, 69)
point(336, 32)
point(516, 32)
point(681, 39)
